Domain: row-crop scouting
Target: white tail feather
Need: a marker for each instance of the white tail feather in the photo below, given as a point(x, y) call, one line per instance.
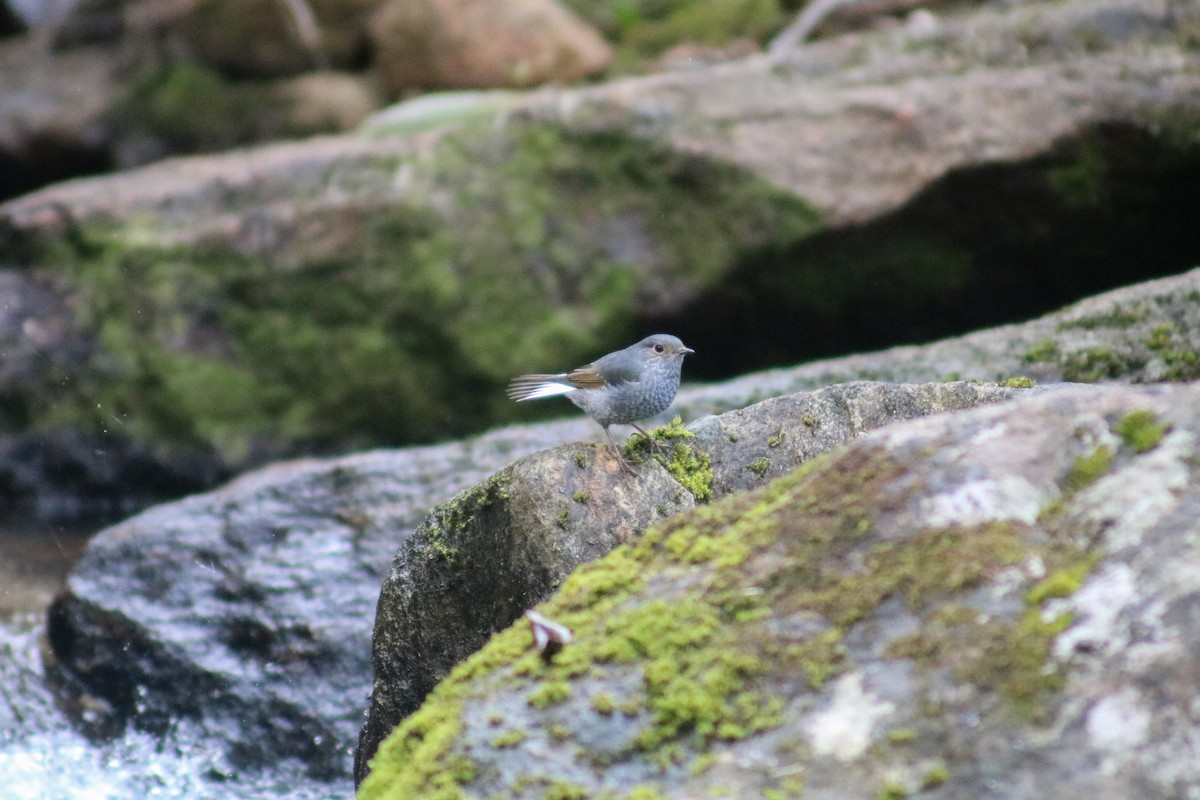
point(549, 390)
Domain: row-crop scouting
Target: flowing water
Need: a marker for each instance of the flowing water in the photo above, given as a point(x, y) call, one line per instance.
point(44, 756)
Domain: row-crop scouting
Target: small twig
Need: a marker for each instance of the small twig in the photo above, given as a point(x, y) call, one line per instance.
point(804, 24)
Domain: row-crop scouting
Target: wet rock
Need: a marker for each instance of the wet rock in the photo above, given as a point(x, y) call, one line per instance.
point(250, 608)
point(996, 603)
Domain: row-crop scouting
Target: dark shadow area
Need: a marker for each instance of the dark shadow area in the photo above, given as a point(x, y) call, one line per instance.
point(48, 161)
point(982, 247)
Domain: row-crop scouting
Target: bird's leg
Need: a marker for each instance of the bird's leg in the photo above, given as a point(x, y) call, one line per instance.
point(654, 445)
point(617, 451)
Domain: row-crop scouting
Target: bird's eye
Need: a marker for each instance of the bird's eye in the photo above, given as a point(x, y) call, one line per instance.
point(658, 348)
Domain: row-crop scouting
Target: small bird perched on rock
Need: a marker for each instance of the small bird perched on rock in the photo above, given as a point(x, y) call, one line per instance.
point(620, 388)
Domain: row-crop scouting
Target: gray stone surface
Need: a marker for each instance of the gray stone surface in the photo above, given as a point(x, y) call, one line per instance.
point(997, 603)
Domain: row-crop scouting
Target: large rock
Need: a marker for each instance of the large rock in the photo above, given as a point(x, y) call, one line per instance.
point(480, 560)
point(999, 603)
point(457, 44)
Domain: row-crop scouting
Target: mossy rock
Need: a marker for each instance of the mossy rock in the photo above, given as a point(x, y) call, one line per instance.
point(851, 614)
point(517, 248)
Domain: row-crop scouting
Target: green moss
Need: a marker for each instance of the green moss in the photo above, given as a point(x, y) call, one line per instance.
point(581, 460)
point(902, 735)
point(563, 790)
point(689, 465)
point(1063, 582)
point(603, 703)
point(776, 439)
point(1118, 318)
point(759, 466)
point(935, 776)
point(891, 791)
point(161, 105)
point(1089, 468)
point(580, 496)
point(1182, 365)
point(934, 563)
point(645, 793)
point(1161, 336)
point(1140, 430)
point(417, 762)
point(819, 657)
point(304, 347)
point(1018, 382)
point(509, 739)
point(1014, 660)
point(1096, 364)
point(1045, 350)
point(549, 693)
point(643, 29)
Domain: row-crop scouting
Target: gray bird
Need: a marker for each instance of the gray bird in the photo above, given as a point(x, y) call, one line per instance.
point(620, 388)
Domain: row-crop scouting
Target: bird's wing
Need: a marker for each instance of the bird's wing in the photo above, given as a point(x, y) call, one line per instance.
point(614, 368)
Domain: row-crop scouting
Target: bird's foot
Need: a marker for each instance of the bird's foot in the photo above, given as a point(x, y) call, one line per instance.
point(624, 462)
point(655, 446)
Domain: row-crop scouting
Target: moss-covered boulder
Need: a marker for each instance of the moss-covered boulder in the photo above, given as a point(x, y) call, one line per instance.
point(480, 560)
point(396, 307)
point(972, 604)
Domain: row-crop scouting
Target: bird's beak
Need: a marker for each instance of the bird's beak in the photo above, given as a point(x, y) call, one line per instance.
point(687, 351)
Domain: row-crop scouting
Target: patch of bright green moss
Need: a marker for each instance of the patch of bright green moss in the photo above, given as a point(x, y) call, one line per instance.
point(645, 793)
point(1042, 351)
point(603, 703)
point(759, 466)
point(692, 468)
point(1018, 382)
point(935, 776)
point(418, 762)
point(563, 790)
point(689, 465)
point(1140, 430)
point(548, 693)
point(1160, 337)
point(509, 739)
point(1089, 468)
point(1063, 582)
point(1182, 365)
